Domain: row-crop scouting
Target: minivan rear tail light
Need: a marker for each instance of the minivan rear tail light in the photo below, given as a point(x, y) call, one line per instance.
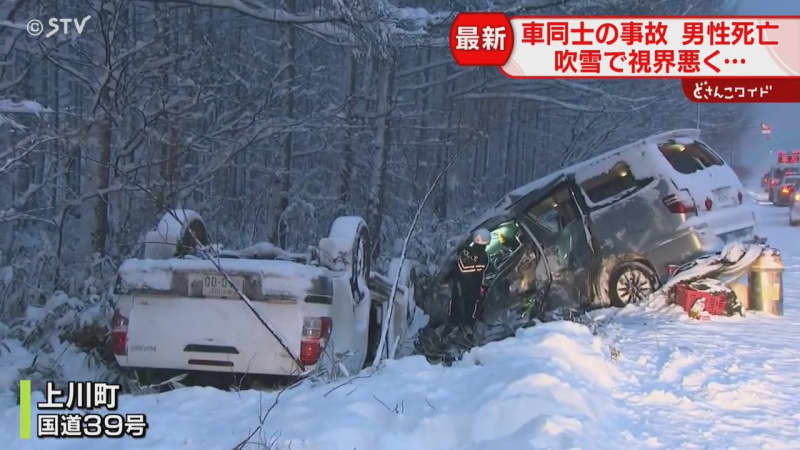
point(119, 334)
point(709, 203)
point(680, 203)
point(316, 331)
point(786, 189)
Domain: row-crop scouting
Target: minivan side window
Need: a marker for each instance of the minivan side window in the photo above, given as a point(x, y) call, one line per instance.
point(618, 179)
point(689, 158)
point(555, 212)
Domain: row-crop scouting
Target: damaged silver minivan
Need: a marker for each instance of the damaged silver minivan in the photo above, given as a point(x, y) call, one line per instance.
point(604, 231)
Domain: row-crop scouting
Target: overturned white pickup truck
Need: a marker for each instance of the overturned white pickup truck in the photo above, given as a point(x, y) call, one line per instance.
point(180, 309)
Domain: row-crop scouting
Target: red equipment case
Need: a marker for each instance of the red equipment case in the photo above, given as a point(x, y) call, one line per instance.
point(685, 296)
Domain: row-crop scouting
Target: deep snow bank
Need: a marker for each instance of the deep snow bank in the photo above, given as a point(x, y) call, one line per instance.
point(550, 386)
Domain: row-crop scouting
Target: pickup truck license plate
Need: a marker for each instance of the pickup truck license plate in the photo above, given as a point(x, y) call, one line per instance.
point(216, 286)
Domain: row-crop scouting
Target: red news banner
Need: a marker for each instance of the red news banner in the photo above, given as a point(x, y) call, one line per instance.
point(718, 59)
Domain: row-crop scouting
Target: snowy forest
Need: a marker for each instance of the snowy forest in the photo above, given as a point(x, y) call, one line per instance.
point(271, 118)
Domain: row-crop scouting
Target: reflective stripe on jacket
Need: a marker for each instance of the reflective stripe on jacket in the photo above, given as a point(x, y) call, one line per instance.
point(468, 263)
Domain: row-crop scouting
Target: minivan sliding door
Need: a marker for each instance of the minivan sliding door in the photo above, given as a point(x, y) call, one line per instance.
point(559, 225)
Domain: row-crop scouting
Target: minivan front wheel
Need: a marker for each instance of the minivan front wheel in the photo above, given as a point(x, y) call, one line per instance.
point(631, 282)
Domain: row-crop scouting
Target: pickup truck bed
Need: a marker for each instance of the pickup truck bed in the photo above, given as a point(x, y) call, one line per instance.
point(180, 313)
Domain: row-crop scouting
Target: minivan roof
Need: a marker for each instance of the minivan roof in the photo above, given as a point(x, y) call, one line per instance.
point(512, 197)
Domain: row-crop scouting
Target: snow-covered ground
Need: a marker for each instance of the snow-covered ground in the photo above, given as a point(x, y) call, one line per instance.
point(647, 379)
point(730, 383)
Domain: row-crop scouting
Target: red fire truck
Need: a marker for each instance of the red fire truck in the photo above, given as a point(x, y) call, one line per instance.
point(788, 164)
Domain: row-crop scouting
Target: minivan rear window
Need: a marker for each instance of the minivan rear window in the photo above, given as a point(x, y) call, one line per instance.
point(689, 158)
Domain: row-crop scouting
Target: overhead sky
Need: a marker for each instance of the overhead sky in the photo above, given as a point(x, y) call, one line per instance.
point(784, 118)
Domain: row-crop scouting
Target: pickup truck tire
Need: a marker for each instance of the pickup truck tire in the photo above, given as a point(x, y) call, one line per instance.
point(354, 229)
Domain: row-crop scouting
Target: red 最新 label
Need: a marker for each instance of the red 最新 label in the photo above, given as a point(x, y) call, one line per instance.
point(742, 90)
point(481, 39)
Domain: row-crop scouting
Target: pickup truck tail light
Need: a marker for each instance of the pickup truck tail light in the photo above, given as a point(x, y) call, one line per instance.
point(680, 203)
point(119, 333)
point(316, 331)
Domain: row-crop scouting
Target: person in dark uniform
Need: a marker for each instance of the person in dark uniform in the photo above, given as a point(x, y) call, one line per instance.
point(467, 282)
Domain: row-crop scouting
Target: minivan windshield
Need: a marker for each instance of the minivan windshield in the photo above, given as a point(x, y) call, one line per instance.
point(689, 158)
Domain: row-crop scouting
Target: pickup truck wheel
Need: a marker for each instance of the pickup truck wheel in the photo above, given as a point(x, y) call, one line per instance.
point(354, 229)
point(360, 265)
point(631, 282)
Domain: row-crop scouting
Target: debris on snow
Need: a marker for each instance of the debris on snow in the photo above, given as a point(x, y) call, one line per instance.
point(730, 264)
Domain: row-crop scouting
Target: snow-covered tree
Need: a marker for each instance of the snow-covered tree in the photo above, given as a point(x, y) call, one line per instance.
point(272, 117)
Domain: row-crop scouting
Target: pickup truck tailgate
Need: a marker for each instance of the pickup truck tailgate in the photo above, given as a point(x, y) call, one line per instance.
point(211, 334)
